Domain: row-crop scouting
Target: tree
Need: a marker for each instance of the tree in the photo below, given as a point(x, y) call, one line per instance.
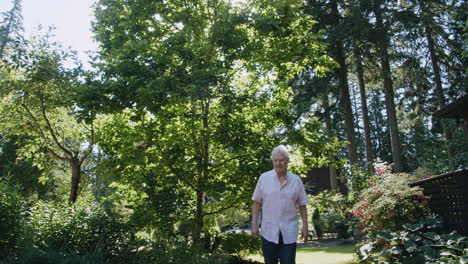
point(381, 43)
point(10, 26)
point(37, 102)
point(427, 21)
point(209, 84)
point(329, 17)
point(360, 41)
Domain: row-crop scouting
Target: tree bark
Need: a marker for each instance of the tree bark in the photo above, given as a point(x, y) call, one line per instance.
point(75, 180)
point(437, 78)
point(365, 111)
point(339, 56)
point(203, 172)
point(388, 90)
point(328, 125)
point(198, 225)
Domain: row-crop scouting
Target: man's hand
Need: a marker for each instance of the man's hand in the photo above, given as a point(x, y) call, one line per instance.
point(255, 233)
point(305, 233)
point(255, 211)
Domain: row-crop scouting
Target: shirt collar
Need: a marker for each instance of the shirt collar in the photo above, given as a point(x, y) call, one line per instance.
point(288, 175)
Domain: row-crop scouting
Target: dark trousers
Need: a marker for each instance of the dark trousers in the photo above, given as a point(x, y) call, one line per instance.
point(286, 253)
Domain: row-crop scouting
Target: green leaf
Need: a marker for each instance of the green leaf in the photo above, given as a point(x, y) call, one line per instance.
point(396, 250)
point(410, 246)
point(446, 253)
point(427, 242)
point(432, 235)
point(387, 236)
point(385, 255)
point(414, 237)
point(464, 260)
point(413, 227)
point(419, 259)
point(430, 253)
point(435, 223)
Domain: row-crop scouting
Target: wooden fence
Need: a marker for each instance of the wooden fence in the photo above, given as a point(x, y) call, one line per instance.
point(449, 198)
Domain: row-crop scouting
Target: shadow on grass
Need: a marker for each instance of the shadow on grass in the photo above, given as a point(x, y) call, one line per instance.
point(323, 255)
point(336, 249)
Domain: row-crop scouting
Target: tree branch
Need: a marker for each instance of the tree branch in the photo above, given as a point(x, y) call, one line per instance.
point(38, 130)
point(38, 126)
point(51, 129)
point(236, 202)
point(90, 147)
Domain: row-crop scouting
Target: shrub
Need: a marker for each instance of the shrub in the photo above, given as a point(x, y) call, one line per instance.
point(77, 231)
point(36, 256)
point(176, 253)
point(317, 223)
point(389, 202)
point(10, 219)
point(239, 244)
point(417, 243)
point(330, 214)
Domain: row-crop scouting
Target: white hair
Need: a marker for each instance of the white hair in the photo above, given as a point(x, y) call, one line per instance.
point(281, 149)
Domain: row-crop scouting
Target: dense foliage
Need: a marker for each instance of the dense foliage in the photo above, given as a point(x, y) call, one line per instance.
point(152, 155)
point(389, 202)
point(198, 99)
point(329, 214)
point(421, 242)
point(11, 209)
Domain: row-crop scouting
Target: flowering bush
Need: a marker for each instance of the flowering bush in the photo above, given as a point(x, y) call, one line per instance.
point(389, 202)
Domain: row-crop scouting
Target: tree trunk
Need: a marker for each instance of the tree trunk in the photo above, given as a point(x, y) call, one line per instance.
point(437, 78)
point(339, 56)
point(328, 125)
point(388, 90)
point(198, 225)
point(203, 172)
point(365, 111)
point(75, 180)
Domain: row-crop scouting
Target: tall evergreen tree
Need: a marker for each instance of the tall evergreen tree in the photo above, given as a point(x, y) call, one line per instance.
point(330, 20)
point(11, 25)
point(427, 22)
point(360, 45)
point(382, 41)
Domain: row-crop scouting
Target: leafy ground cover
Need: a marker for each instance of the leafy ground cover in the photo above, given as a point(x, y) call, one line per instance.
point(322, 255)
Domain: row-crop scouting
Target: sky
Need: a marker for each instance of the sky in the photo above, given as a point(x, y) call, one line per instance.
point(72, 19)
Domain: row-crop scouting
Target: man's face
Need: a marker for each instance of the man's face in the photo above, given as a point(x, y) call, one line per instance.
point(280, 163)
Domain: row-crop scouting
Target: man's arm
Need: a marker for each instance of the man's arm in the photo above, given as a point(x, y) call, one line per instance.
point(305, 224)
point(255, 212)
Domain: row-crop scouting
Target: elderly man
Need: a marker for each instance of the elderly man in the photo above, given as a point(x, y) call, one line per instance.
point(278, 193)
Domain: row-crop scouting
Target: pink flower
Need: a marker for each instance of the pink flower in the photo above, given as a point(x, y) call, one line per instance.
point(392, 213)
point(380, 172)
point(220, 259)
point(378, 193)
point(424, 201)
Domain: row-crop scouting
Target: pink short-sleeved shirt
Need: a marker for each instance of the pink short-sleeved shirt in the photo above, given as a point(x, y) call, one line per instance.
point(279, 205)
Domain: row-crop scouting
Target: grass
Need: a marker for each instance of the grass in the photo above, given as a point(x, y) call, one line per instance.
point(322, 255)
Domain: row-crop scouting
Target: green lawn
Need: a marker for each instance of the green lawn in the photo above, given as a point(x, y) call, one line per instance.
point(321, 255)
